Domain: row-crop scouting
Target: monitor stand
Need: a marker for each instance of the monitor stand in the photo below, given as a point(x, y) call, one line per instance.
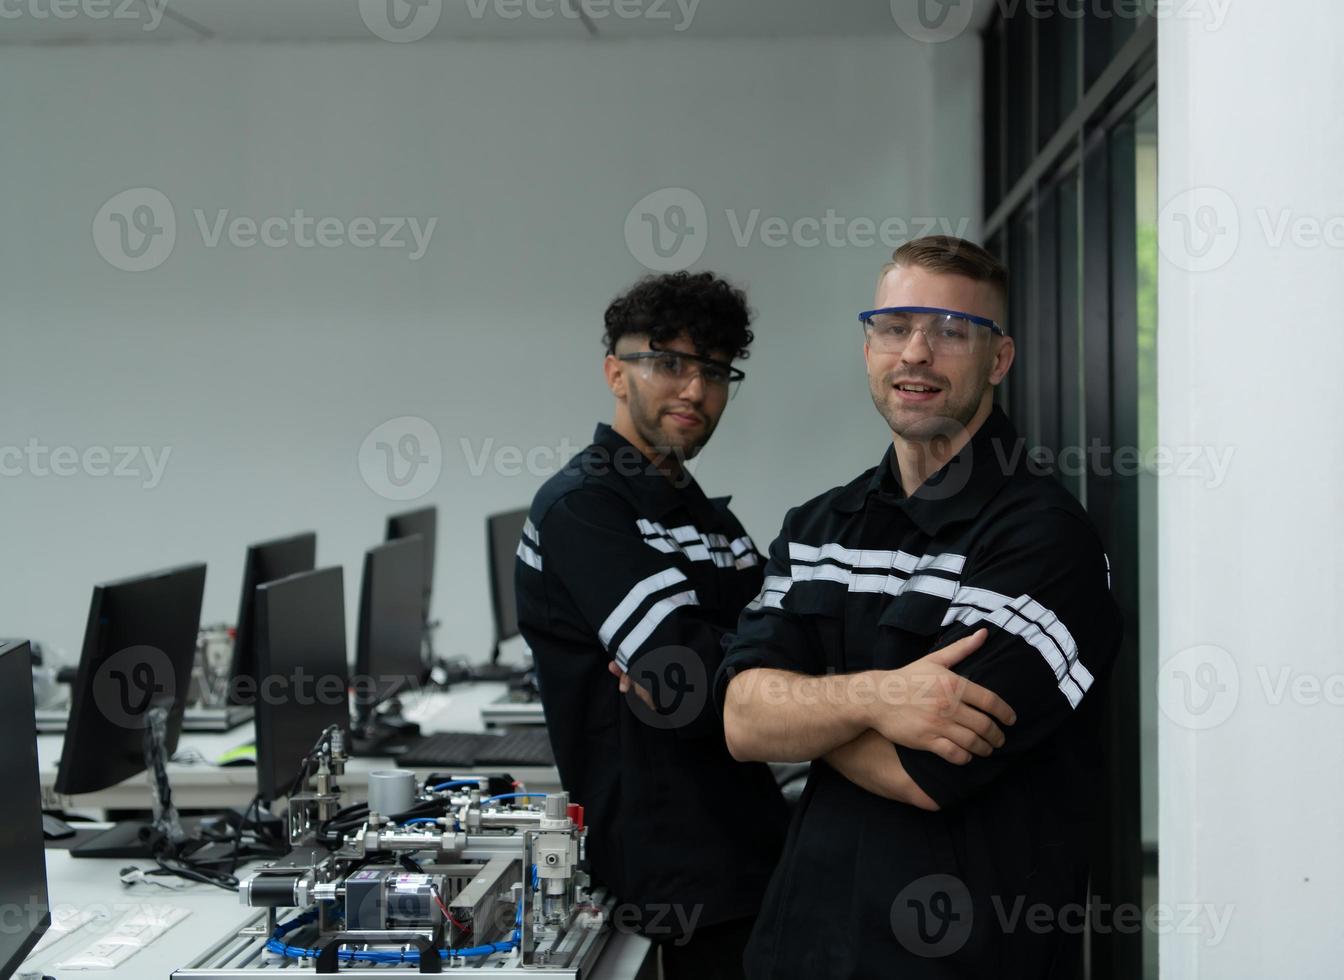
point(143, 839)
point(383, 732)
point(129, 839)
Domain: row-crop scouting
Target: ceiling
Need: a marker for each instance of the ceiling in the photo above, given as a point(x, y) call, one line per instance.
point(61, 22)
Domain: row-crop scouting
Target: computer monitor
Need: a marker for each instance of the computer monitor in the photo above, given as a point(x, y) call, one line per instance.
point(503, 532)
point(301, 661)
point(422, 522)
point(387, 649)
point(265, 562)
point(138, 648)
point(23, 882)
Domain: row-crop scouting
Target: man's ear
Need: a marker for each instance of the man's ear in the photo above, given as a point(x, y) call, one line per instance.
point(612, 368)
point(1003, 360)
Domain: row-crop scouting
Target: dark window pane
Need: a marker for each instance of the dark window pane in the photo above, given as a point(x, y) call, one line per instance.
point(1021, 326)
point(1097, 38)
point(1045, 321)
point(1057, 36)
point(1021, 141)
point(994, 116)
point(1071, 420)
point(1003, 396)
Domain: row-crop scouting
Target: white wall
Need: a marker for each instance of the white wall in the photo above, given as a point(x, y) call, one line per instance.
point(1249, 356)
point(262, 370)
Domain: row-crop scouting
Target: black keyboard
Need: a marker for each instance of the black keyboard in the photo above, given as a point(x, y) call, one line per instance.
point(523, 748)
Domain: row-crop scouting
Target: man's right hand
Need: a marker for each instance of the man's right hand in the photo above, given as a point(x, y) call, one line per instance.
point(924, 705)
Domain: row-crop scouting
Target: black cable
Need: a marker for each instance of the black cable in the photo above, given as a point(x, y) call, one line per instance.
point(242, 826)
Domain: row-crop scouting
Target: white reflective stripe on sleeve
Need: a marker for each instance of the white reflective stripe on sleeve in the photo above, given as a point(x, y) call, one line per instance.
point(871, 560)
point(660, 611)
point(772, 593)
point(894, 585)
point(1028, 619)
point(529, 556)
point(634, 599)
point(744, 553)
point(530, 532)
point(697, 545)
point(942, 563)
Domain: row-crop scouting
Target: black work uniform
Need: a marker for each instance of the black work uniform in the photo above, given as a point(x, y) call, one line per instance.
point(618, 563)
point(864, 577)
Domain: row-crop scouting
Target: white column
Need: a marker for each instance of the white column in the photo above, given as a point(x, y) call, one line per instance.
point(1251, 366)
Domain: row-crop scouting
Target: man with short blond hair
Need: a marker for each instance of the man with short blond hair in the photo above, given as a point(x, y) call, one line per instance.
point(925, 636)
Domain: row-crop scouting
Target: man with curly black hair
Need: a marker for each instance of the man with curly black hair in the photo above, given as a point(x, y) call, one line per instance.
point(626, 567)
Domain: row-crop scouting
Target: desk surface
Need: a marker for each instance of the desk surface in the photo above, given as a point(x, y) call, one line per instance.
point(206, 786)
point(93, 885)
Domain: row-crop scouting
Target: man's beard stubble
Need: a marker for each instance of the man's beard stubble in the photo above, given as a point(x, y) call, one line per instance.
point(646, 421)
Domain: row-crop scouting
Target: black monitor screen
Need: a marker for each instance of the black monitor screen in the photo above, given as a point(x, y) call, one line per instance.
point(139, 644)
point(387, 655)
point(265, 562)
point(504, 532)
point(421, 522)
point(23, 881)
point(303, 676)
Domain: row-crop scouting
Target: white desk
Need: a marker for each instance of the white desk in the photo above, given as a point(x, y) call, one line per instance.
point(92, 884)
point(211, 787)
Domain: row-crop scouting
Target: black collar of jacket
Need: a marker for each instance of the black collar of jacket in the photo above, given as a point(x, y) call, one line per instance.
point(658, 494)
point(956, 492)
